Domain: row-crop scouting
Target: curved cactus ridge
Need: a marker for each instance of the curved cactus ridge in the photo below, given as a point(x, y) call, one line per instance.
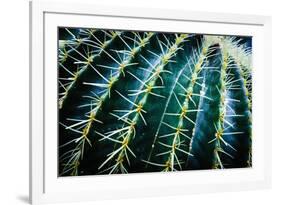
point(145, 101)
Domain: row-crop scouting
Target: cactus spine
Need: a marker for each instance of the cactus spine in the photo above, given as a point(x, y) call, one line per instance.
point(145, 101)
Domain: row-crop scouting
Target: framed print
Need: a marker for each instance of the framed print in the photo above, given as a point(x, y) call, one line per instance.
point(124, 97)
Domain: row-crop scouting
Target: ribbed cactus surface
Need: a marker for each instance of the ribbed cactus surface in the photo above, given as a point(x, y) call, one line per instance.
point(146, 102)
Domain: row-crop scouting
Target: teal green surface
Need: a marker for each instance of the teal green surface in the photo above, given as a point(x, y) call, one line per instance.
point(133, 102)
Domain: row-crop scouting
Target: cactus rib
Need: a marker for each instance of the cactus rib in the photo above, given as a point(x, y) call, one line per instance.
point(86, 62)
point(147, 88)
point(134, 101)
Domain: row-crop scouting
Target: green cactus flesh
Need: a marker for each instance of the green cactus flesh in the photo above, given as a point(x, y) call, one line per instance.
point(133, 102)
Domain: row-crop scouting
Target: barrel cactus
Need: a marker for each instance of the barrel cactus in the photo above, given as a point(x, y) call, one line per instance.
point(134, 102)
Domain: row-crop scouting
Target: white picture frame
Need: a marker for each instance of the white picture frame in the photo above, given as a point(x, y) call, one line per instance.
point(46, 187)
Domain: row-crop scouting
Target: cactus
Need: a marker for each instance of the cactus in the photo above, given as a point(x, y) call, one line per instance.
point(133, 101)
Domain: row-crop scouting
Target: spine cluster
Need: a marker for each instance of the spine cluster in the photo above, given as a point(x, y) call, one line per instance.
point(129, 70)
